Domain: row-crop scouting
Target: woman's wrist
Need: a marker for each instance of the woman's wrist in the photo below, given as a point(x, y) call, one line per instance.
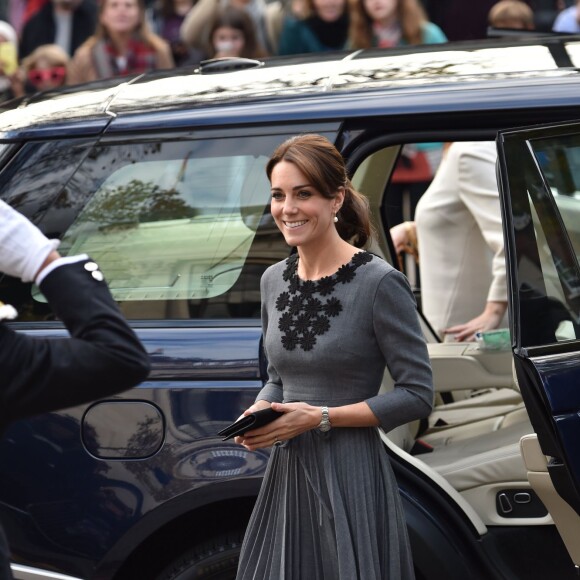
point(497, 307)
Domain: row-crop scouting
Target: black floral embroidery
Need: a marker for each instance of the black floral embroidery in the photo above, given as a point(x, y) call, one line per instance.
point(361, 258)
point(282, 301)
point(285, 322)
point(302, 323)
point(294, 285)
point(295, 305)
point(304, 317)
point(333, 307)
point(312, 307)
point(320, 325)
point(346, 273)
point(326, 286)
point(308, 340)
point(290, 340)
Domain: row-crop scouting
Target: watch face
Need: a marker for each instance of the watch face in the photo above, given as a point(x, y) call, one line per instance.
point(325, 427)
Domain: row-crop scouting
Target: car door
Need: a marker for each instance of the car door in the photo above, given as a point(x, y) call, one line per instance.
point(539, 179)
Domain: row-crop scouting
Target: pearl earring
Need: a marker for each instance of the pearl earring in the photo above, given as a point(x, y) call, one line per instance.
point(335, 219)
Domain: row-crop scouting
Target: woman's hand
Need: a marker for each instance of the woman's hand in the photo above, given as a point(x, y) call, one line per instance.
point(489, 319)
point(298, 418)
point(257, 406)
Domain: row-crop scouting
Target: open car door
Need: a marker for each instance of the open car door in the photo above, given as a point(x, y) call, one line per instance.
point(539, 179)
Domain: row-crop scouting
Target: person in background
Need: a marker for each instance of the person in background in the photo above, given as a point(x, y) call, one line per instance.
point(122, 44)
point(67, 23)
point(457, 233)
point(323, 27)
point(329, 506)
point(277, 12)
point(43, 70)
point(195, 27)
point(37, 375)
point(568, 20)
point(512, 14)
point(461, 19)
point(166, 18)
point(8, 61)
point(19, 12)
point(388, 23)
point(232, 34)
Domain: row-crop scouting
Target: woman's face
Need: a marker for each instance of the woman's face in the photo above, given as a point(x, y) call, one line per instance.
point(44, 76)
point(120, 16)
point(303, 214)
point(228, 41)
point(380, 10)
point(329, 10)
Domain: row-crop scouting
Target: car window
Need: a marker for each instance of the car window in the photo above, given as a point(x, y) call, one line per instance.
point(32, 177)
point(180, 228)
point(543, 177)
point(38, 172)
point(559, 161)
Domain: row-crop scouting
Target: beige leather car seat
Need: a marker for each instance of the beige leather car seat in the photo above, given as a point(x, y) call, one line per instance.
point(476, 458)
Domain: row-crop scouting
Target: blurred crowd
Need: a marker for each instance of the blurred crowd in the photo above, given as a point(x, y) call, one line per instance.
point(45, 44)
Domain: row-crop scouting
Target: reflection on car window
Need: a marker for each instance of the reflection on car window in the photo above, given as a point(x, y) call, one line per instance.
point(38, 174)
point(180, 229)
point(544, 188)
point(171, 229)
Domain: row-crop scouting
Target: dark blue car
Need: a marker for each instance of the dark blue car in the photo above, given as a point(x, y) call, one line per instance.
point(160, 178)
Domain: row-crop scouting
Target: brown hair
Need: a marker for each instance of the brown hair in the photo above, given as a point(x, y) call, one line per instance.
point(238, 19)
point(53, 53)
point(324, 167)
point(411, 18)
point(143, 30)
point(507, 13)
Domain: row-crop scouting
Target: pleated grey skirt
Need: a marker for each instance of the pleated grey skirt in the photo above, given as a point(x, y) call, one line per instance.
point(329, 509)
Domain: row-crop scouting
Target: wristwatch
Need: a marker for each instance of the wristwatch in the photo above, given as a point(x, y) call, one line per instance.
point(324, 424)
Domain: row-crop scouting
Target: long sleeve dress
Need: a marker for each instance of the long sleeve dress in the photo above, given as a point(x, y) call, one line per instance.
point(329, 506)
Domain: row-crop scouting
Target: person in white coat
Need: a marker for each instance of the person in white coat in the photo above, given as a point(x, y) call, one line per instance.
point(458, 235)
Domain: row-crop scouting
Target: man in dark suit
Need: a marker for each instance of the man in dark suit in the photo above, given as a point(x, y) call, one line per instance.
point(102, 356)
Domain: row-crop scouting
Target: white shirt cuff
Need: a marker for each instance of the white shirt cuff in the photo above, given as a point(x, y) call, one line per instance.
point(57, 264)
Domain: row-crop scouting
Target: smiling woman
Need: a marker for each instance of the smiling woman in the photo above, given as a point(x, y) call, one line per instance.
point(328, 470)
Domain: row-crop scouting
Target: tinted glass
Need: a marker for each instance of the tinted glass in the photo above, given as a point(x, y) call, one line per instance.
point(180, 228)
point(544, 175)
point(32, 177)
point(36, 174)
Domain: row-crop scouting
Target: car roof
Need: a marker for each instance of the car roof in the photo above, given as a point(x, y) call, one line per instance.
point(329, 85)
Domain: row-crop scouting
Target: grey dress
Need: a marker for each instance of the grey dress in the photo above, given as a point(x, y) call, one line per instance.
point(329, 506)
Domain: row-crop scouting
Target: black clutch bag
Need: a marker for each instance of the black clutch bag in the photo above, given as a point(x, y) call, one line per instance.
point(249, 422)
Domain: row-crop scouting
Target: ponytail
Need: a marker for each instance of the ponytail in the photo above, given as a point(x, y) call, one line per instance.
point(354, 223)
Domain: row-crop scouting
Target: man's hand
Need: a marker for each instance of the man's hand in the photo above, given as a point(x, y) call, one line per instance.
point(24, 249)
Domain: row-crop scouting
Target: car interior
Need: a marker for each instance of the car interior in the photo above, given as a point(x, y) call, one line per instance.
point(470, 444)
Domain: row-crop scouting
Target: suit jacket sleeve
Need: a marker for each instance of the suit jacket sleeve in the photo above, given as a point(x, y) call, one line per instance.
point(102, 356)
